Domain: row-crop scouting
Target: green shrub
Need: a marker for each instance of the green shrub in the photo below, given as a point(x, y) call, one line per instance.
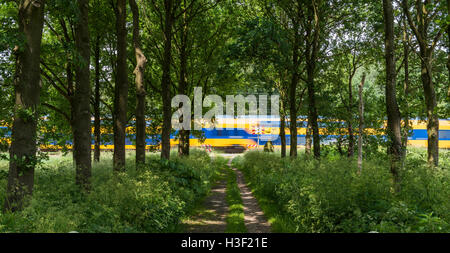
point(331, 196)
point(152, 198)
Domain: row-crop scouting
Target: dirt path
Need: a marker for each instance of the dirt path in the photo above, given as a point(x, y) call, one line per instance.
point(254, 219)
point(211, 219)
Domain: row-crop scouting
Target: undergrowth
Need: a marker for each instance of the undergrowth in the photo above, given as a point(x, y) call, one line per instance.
point(150, 198)
point(306, 195)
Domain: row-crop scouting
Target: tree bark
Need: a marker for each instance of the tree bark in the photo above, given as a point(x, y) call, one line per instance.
point(27, 95)
point(293, 91)
point(361, 122)
point(71, 96)
point(313, 115)
point(312, 49)
point(393, 113)
point(283, 101)
point(293, 122)
point(82, 124)
point(283, 134)
point(432, 118)
point(97, 132)
point(339, 145)
point(121, 88)
point(166, 80)
point(183, 147)
point(405, 89)
point(351, 139)
point(420, 29)
point(308, 139)
point(141, 60)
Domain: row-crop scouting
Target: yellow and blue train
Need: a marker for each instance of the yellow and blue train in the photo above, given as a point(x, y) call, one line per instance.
point(240, 134)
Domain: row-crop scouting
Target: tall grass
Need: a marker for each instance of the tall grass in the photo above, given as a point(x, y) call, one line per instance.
point(306, 195)
point(235, 216)
point(152, 198)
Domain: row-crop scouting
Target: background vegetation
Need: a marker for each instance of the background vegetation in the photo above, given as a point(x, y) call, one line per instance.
point(150, 198)
point(76, 73)
point(304, 195)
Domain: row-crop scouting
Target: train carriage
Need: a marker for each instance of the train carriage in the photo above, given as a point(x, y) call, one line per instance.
point(239, 134)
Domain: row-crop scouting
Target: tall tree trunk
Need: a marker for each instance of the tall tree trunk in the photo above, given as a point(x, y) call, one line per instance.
point(293, 91)
point(183, 147)
point(393, 113)
point(313, 115)
point(97, 132)
point(140, 88)
point(283, 134)
point(339, 145)
point(405, 89)
point(166, 80)
point(293, 122)
point(69, 67)
point(82, 131)
point(361, 122)
point(71, 96)
point(27, 95)
point(121, 88)
point(431, 103)
point(312, 50)
point(426, 57)
point(308, 139)
point(351, 139)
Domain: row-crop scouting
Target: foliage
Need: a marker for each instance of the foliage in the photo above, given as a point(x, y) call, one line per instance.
point(330, 196)
point(234, 47)
point(153, 198)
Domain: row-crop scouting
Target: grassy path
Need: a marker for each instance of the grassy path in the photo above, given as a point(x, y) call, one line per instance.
point(254, 218)
point(230, 207)
point(211, 217)
point(235, 217)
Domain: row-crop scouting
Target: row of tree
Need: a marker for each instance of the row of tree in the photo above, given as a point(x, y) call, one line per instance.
point(328, 40)
point(311, 53)
point(72, 31)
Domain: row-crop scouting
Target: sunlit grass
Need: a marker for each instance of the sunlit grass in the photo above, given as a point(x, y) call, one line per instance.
point(235, 217)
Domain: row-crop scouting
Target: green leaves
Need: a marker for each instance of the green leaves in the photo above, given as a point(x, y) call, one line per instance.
point(150, 199)
point(330, 196)
point(26, 114)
